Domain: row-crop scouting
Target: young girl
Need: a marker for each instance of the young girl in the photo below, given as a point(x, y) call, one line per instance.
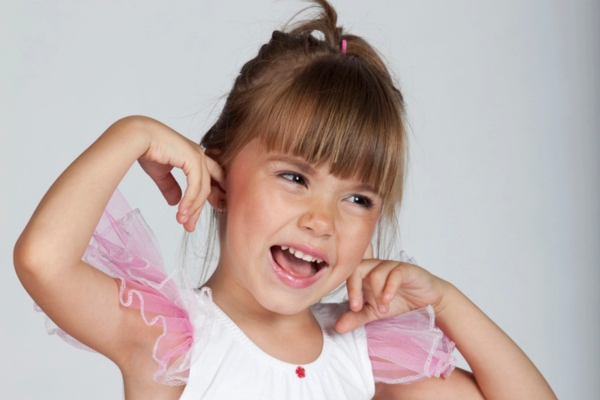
point(304, 164)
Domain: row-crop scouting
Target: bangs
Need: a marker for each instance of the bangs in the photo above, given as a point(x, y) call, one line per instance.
point(336, 112)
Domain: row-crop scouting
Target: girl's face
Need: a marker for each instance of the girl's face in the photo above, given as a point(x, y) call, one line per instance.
point(292, 232)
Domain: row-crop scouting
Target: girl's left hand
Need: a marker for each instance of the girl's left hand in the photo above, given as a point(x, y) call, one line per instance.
point(380, 289)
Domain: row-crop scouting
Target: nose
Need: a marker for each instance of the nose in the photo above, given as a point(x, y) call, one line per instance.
point(318, 218)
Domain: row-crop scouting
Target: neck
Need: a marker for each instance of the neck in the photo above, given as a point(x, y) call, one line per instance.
point(240, 305)
point(271, 332)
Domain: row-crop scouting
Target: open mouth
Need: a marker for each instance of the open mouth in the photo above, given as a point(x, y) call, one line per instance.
point(295, 263)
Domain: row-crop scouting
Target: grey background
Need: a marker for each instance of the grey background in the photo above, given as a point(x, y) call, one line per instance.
point(502, 196)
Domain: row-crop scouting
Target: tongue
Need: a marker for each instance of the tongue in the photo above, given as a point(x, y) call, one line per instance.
point(289, 263)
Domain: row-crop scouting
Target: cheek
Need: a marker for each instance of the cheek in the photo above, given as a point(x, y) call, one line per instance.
point(249, 218)
point(240, 217)
point(353, 242)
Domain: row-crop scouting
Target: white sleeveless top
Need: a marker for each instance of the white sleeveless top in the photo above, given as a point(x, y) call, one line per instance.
point(233, 367)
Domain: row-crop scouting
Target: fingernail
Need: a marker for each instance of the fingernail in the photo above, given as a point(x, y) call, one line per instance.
point(382, 308)
point(388, 296)
point(184, 211)
point(185, 219)
point(354, 303)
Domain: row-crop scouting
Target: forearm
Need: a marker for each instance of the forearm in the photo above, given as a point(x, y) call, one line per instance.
point(64, 221)
point(501, 368)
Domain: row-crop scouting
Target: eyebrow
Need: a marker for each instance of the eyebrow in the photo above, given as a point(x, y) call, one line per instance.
point(296, 162)
point(308, 169)
point(367, 188)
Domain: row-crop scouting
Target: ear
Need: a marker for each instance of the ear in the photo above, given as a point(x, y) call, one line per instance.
point(217, 194)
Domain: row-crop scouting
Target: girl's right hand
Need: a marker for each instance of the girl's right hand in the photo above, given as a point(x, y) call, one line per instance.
point(48, 254)
point(168, 149)
point(380, 289)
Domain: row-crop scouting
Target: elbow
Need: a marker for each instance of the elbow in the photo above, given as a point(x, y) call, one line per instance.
point(24, 260)
point(31, 262)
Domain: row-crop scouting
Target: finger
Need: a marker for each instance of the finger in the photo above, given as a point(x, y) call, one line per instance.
point(355, 283)
point(393, 284)
point(198, 206)
point(378, 279)
point(354, 287)
point(194, 210)
point(169, 188)
point(368, 297)
point(165, 181)
point(216, 172)
point(192, 221)
point(191, 218)
point(352, 320)
point(186, 205)
point(194, 173)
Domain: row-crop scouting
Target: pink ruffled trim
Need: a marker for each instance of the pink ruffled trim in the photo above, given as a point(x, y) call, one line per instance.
point(409, 348)
point(124, 247)
point(403, 349)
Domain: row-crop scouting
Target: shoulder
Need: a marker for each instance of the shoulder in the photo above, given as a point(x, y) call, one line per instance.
point(460, 385)
point(155, 328)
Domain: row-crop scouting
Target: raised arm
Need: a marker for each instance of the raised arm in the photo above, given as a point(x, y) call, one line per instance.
point(501, 370)
point(78, 298)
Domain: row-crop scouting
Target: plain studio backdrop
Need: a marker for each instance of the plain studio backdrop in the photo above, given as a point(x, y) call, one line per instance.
point(504, 182)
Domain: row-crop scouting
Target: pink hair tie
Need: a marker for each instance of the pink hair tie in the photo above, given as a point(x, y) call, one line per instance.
point(343, 46)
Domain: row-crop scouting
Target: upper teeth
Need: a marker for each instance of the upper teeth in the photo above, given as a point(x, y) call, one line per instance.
point(301, 255)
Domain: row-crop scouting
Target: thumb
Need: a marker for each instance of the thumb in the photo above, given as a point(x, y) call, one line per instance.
point(354, 319)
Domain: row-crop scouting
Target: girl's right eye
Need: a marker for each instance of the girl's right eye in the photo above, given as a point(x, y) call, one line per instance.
point(294, 177)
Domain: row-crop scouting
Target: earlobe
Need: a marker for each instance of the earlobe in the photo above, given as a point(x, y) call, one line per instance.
point(216, 198)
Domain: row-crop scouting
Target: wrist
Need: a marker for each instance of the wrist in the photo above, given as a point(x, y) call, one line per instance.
point(132, 132)
point(448, 302)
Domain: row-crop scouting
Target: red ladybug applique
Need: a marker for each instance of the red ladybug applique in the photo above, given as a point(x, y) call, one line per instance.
point(300, 372)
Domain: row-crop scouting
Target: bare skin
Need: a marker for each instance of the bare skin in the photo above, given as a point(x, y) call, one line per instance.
point(48, 253)
point(48, 262)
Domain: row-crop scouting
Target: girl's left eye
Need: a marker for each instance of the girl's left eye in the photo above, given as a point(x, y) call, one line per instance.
point(294, 177)
point(361, 201)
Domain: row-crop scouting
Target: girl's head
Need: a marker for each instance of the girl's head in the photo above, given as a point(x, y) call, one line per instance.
point(306, 97)
point(323, 105)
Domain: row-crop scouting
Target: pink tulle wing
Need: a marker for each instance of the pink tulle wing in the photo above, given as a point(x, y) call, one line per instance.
point(124, 247)
point(408, 348)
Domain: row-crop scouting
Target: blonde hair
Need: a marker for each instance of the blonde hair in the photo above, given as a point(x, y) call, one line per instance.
point(305, 96)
